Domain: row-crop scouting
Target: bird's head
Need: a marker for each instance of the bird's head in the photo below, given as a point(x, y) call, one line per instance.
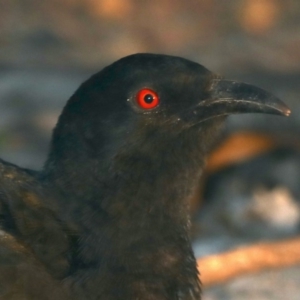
point(147, 100)
point(129, 146)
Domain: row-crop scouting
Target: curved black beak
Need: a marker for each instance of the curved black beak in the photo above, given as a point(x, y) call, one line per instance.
point(231, 97)
point(241, 97)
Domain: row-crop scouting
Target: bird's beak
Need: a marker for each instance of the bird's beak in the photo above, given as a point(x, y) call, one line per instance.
point(231, 97)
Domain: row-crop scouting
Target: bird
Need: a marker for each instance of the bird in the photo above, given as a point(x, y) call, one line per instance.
point(107, 215)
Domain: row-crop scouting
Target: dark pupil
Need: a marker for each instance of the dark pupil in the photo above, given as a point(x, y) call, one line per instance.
point(148, 98)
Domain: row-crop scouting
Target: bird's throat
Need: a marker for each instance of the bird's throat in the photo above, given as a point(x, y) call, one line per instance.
point(134, 227)
point(136, 236)
point(138, 239)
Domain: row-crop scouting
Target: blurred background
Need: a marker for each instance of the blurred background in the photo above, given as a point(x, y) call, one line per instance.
point(250, 190)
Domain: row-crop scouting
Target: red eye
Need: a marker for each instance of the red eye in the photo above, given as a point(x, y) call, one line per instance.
point(147, 99)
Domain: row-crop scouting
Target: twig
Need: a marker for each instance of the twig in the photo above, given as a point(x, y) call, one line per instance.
point(216, 269)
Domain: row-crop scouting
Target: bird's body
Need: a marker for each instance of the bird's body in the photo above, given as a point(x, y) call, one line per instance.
point(107, 217)
point(33, 241)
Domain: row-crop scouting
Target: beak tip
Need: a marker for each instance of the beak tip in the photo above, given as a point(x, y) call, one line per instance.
point(287, 112)
point(284, 109)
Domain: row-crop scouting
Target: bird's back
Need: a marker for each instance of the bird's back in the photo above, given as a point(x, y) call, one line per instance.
point(33, 242)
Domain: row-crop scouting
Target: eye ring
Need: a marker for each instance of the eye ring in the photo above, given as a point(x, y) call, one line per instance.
point(147, 98)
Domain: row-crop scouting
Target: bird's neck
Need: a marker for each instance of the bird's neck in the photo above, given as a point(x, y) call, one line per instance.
point(136, 237)
point(133, 222)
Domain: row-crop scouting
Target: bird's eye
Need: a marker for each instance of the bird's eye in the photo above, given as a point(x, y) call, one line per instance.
point(147, 99)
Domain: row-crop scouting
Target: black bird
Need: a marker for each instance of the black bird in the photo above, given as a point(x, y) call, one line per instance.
point(107, 217)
